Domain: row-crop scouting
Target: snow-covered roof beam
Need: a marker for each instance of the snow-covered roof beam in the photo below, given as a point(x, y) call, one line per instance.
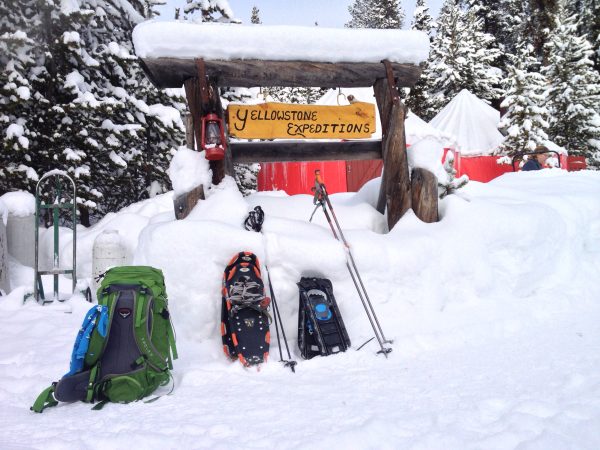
point(259, 55)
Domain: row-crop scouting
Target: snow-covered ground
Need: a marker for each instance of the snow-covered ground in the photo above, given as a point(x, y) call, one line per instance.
point(494, 312)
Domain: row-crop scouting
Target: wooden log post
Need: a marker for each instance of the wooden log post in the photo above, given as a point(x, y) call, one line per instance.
point(424, 195)
point(394, 193)
point(203, 98)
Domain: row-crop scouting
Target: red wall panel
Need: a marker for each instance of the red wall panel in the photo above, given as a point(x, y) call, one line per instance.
point(299, 177)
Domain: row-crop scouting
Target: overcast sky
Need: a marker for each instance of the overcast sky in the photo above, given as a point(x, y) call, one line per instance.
point(327, 13)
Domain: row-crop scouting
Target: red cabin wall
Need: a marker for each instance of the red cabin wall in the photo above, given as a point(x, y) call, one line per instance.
point(299, 177)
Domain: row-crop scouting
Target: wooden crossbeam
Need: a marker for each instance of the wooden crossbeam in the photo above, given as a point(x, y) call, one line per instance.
point(172, 73)
point(287, 151)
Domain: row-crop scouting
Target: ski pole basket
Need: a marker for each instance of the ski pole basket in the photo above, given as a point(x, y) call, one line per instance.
point(54, 192)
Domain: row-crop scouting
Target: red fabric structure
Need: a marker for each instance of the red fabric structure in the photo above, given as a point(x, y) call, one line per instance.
point(575, 163)
point(299, 177)
point(480, 168)
point(350, 176)
point(359, 172)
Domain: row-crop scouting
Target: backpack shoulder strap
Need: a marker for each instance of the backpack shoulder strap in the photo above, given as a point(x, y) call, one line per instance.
point(45, 400)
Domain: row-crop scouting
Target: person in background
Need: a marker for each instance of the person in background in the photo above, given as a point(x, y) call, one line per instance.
point(537, 161)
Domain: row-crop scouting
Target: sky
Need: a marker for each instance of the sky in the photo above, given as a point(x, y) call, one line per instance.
point(327, 13)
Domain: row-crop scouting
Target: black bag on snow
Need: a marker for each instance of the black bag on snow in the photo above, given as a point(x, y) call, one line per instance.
point(321, 330)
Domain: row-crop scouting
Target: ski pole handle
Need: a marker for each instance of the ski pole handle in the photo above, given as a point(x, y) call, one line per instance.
point(318, 178)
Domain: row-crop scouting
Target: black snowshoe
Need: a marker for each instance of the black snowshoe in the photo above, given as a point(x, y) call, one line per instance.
point(244, 311)
point(321, 330)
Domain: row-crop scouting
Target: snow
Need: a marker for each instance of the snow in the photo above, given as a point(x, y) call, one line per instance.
point(182, 39)
point(188, 169)
point(427, 154)
point(493, 312)
point(472, 122)
point(19, 203)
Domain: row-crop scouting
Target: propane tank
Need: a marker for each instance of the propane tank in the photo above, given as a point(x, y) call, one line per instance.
point(108, 251)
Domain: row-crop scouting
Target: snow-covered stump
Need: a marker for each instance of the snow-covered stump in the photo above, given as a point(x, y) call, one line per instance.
point(4, 278)
point(424, 195)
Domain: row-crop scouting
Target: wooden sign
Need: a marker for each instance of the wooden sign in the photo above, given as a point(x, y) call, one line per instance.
point(292, 121)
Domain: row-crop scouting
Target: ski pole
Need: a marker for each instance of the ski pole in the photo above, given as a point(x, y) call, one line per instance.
point(322, 198)
point(351, 257)
point(254, 222)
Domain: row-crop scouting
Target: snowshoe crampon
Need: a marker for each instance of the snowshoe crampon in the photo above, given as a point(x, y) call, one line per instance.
point(244, 311)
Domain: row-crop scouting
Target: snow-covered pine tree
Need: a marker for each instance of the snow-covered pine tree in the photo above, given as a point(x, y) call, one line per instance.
point(208, 11)
point(93, 116)
point(418, 96)
point(255, 16)
point(16, 102)
point(574, 92)
point(526, 120)
point(386, 14)
point(541, 22)
point(422, 20)
point(461, 57)
point(503, 19)
point(451, 184)
point(588, 24)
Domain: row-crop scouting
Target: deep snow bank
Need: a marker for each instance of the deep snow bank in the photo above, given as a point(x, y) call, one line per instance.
point(493, 310)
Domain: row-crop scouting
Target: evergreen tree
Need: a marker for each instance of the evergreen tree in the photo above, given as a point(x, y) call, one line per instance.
point(96, 116)
point(255, 17)
point(205, 10)
point(451, 184)
point(574, 92)
point(461, 57)
point(386, 14)
point(16, 102)
point(422, 20)
point(526, 119)
point(542, 22)
point(588, 24)
point(418, 96)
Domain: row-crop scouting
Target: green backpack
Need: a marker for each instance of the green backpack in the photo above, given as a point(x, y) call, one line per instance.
point(126, 344)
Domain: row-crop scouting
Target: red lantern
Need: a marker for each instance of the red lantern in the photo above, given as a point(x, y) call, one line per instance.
point(213, 137)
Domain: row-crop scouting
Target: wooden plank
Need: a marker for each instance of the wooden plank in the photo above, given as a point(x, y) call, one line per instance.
point(184, 203)
point(424, 195)
point(273, 120)
point(189, 131)
point(285, 151)
point(172, 73)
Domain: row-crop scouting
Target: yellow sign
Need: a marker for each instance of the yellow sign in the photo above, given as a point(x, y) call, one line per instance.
point(291, 121)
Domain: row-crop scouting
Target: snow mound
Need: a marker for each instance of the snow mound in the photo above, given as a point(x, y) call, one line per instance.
point(18, 203)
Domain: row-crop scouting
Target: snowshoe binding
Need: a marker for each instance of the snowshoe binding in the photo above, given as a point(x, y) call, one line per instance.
point(321, 330)
point(244, 311)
